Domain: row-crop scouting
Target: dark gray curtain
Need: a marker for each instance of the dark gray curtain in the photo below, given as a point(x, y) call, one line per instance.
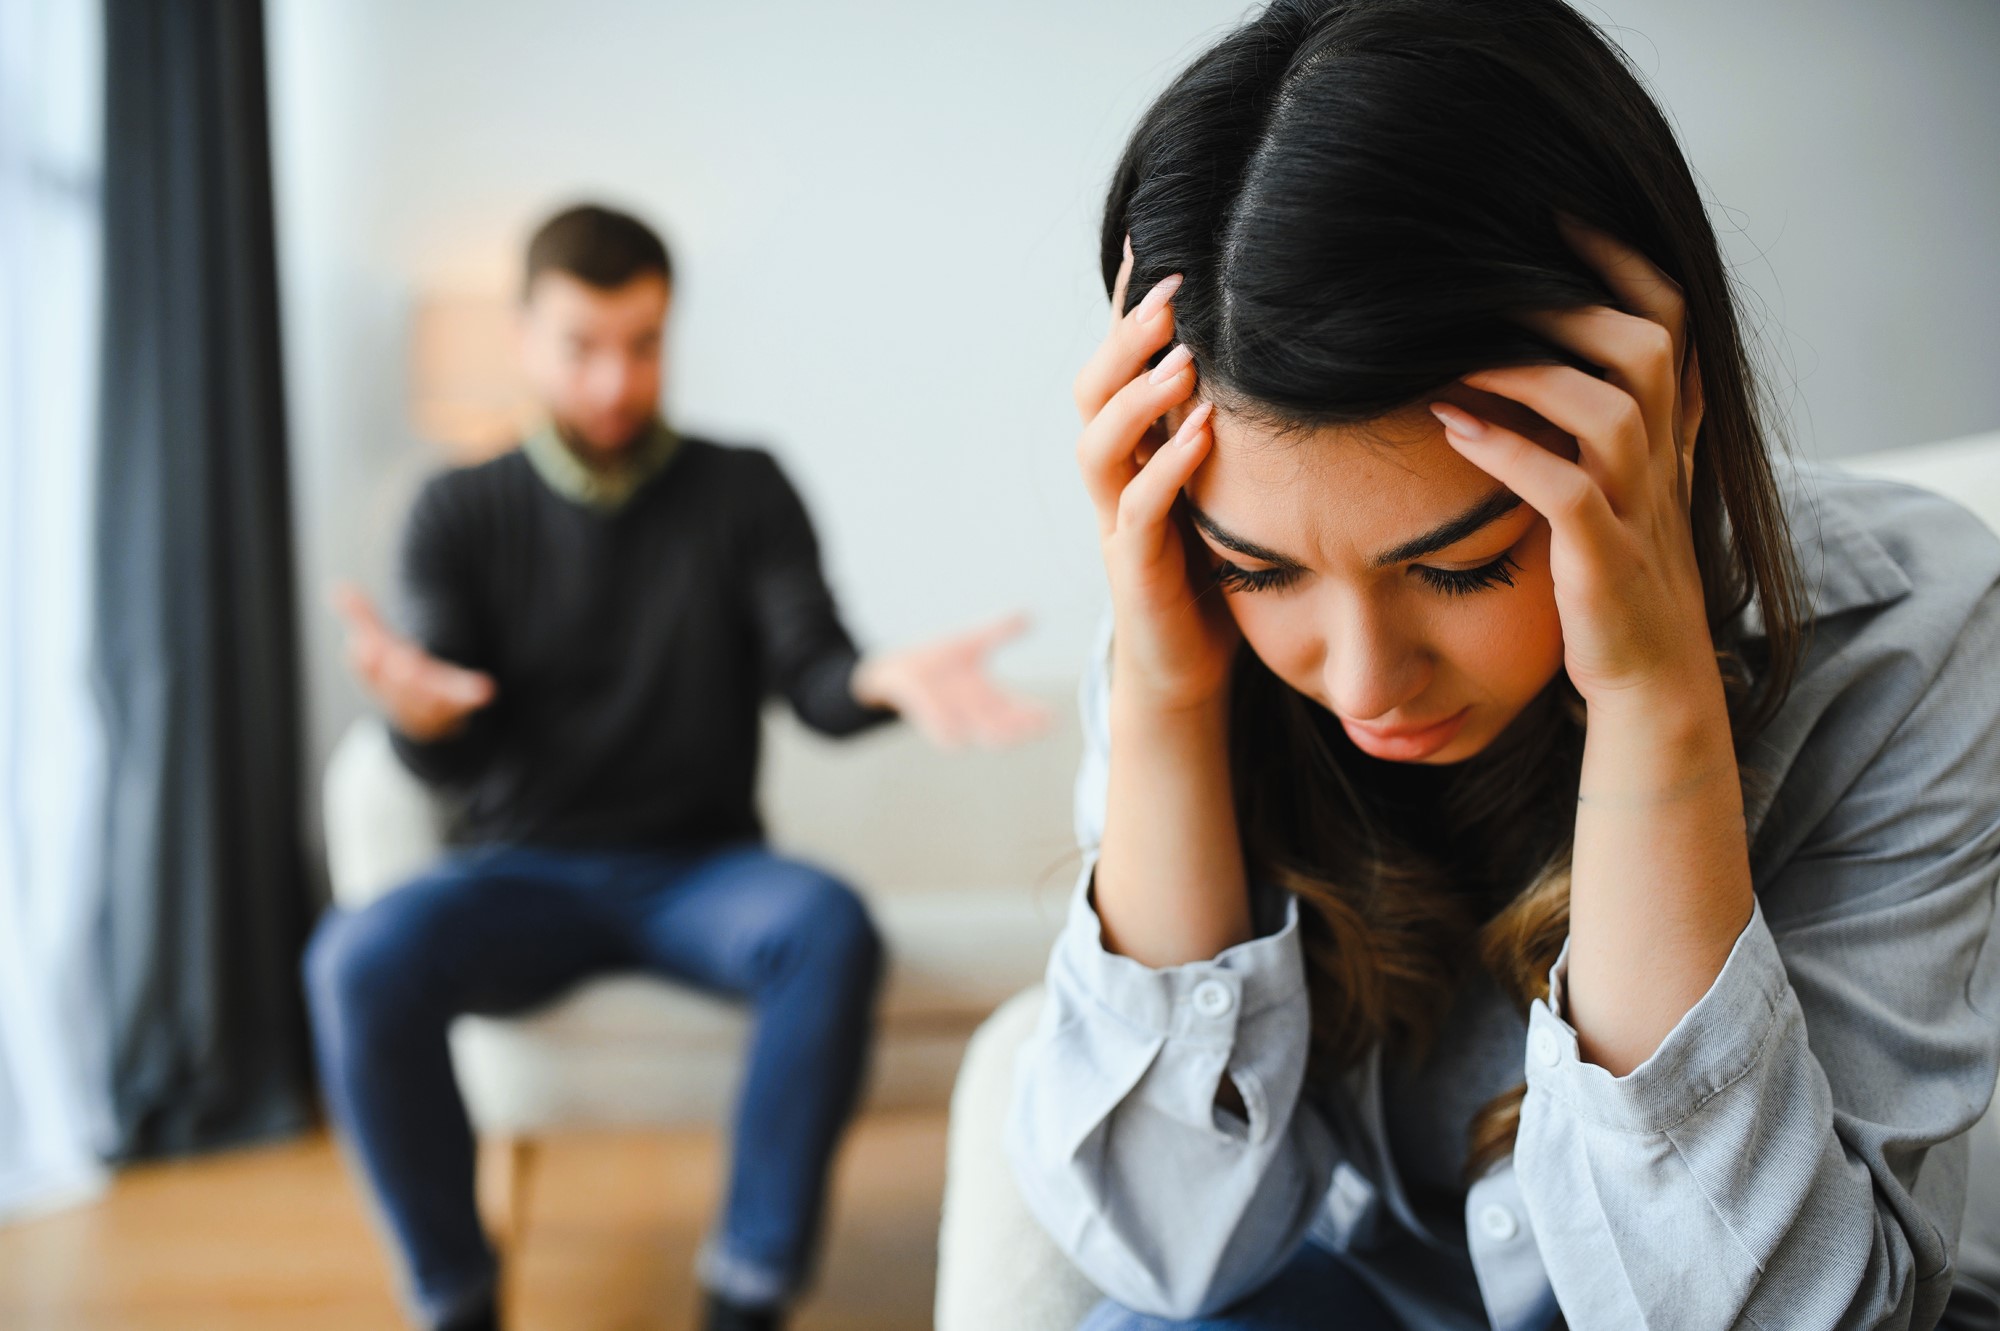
point(196, 649)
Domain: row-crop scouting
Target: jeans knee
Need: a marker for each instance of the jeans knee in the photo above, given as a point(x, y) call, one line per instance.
point(825, 931)
point(847, 929)
point(354, 969)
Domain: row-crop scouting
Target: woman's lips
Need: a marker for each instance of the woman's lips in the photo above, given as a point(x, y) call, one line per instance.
point(1405, 744)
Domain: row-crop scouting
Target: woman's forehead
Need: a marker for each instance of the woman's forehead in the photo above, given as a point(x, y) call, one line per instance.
point(1330, 488)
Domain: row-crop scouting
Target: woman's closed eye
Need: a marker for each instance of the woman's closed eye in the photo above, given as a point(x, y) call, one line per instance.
point(1449, 581)
point(1235, 578)
point(1464, 581)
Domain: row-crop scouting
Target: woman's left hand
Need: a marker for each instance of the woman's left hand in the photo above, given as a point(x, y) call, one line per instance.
point(1660, 884)
point(1621, 551)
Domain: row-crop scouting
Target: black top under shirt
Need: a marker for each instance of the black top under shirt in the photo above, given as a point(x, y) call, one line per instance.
point(632, 648)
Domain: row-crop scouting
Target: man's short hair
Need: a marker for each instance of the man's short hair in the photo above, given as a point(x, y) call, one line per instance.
point(598, 246)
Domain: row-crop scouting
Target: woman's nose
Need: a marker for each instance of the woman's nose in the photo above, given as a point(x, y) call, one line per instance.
point(1372, 666)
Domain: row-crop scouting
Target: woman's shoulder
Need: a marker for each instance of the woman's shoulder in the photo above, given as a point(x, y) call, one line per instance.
point(1906, 568)
point(1895, 695)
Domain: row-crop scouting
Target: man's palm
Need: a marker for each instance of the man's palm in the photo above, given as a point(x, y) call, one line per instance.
point(943, 689)
point(426, 698)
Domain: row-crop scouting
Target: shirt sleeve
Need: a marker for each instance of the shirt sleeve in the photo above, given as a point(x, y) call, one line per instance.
point(806, 652)
point(1170, 1205)
point(442, 612)
point(1794, 1153)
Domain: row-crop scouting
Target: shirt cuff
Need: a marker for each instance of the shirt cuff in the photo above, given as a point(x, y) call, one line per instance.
point(1717, 1042)
point(1203, 1000)
point(1174, 1031)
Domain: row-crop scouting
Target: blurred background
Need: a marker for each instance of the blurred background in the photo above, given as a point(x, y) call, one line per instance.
point(886, 221)
point(252, 264)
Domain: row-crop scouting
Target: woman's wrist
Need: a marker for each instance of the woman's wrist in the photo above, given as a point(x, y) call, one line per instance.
point(1660, 885)
point(1172, 702)
point(1170, 885)
point(1657, 741)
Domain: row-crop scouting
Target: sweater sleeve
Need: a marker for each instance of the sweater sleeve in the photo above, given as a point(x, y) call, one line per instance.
point(806, 653)
point(1794, 1153)
point(441, 611)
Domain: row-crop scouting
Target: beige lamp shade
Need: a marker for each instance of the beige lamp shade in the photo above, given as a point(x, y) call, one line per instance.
point(466, 390)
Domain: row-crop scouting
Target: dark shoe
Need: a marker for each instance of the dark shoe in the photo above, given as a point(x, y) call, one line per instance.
point(486, 1318)
point(722, 1315)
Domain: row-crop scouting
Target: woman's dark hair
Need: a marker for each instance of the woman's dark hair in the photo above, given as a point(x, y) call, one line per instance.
point(1363, 198)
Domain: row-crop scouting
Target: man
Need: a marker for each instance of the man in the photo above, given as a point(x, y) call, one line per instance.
point(596, 620)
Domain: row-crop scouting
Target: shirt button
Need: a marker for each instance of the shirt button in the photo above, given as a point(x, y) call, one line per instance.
point(1213, 999)
point(1544, 1044)
point(1498, 1223)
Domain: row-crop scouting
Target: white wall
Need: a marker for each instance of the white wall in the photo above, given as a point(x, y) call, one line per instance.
point(884, 217)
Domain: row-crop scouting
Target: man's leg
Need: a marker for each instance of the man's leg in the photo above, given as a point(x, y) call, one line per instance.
point(486, 931)
point(800, 945)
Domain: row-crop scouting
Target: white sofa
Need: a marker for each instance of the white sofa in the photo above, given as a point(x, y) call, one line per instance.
point(997, 1271)
point(965, 859)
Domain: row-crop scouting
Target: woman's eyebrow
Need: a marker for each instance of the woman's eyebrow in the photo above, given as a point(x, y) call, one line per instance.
point(1229, 540)
point(1453, 530)
point(1446, 534)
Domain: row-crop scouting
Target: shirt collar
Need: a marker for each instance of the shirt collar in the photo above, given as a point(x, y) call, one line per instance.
point(1842, 566)
point(604, 489)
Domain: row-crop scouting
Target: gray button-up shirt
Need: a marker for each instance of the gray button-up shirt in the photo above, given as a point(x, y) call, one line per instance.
point(1795, 1152)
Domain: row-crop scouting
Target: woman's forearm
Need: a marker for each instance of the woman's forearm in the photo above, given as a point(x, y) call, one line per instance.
point(1170, 885)
point(1660, 883)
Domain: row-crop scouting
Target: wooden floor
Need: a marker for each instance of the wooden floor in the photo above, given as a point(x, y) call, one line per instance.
point(278, 1237)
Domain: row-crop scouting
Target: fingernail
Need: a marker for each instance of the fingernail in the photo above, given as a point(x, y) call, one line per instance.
point(1192, 425)
point(1162, 292)
point(1175, 361)
point(1461, 423)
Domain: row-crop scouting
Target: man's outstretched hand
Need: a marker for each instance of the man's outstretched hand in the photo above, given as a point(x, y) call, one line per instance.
point(426, 699)
point(942, 688)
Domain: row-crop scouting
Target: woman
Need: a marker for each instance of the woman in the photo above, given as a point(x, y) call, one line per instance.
point(1481, 697)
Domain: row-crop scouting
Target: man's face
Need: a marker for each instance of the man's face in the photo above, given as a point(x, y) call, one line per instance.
point(592, 356)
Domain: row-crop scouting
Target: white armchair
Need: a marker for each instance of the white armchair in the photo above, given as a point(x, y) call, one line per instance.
point(964, 860)
point(998, 1272)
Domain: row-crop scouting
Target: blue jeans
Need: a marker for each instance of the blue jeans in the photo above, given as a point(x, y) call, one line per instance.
point(497, 930)
point(1312, 1290)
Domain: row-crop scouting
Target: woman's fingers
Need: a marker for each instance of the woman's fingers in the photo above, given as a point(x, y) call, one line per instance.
point(1611, 432)
point(1693, 400)
point(1122, 284)
point(1149, 498)
point(1632, 277)
point(1126, 348)
point(1637, 354)
point(1104, 451)
point(1555, 487)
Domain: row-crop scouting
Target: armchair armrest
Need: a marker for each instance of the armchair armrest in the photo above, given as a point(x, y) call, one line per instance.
point(383, 825)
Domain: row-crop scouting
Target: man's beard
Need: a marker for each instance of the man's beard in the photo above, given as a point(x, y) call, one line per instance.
point(593, 455)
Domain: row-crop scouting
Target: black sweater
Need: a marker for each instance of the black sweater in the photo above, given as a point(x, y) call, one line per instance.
point(632, 648)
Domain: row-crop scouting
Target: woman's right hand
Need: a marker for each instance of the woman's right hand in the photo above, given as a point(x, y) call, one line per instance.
point(1173, 642)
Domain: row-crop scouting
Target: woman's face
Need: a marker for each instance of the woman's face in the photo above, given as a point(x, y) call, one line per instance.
point(1382, 575)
